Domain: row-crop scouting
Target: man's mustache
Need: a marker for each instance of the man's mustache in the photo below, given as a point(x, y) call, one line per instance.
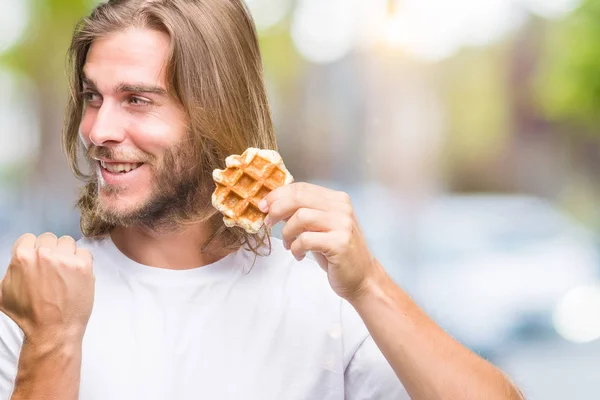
point(109, 154)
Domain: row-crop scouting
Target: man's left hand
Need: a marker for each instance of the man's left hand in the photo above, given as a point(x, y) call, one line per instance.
point(323, 221)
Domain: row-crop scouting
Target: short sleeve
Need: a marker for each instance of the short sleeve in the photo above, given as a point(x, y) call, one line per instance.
point(367, 374)
point(11, 340)
point(370, 377)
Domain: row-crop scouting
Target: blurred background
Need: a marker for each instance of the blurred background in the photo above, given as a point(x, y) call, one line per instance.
point(465, 131)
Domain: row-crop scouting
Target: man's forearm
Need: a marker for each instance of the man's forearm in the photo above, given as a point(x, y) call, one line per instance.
point(48, 371)
point(430, 364)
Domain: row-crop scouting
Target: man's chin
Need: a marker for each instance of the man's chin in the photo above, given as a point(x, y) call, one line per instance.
point(151, 213)
point(116, 218)
point(118, 211)
point(121, 201)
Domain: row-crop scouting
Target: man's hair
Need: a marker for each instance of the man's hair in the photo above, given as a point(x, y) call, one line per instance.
point(214, 71)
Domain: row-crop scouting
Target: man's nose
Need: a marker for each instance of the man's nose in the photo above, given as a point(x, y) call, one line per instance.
point(108, 128)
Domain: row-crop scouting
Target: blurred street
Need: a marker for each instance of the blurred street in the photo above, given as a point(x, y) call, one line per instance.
point(555, 369)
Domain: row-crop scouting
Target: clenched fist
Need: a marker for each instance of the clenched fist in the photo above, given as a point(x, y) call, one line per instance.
point(48, 289)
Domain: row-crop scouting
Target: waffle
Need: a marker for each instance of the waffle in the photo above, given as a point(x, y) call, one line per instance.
point(243, 184)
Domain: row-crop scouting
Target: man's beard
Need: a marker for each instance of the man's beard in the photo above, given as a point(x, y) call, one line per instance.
point(176, 196)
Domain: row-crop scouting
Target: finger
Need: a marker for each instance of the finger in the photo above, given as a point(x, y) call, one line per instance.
point(311, 241)
point(26, 241)
point(306, 219)
point(66, 245)
point(85, 255)
point(47, 240)
point(292, 200)
point(297, 189)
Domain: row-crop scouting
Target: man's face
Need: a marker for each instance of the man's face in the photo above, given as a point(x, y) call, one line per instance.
point(134, 131)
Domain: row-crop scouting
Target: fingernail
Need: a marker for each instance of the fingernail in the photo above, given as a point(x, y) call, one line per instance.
point(263, 205)
point(286, 245)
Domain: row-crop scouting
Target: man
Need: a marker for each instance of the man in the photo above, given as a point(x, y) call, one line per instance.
point(184, 308)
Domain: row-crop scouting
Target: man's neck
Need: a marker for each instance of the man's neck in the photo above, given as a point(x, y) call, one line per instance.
point(172, 250)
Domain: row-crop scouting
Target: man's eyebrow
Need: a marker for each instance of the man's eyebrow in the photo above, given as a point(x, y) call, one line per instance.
point(130, 87)
point(141, 88)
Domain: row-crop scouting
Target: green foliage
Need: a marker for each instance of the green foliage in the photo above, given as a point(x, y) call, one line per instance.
point(475, 87)
point(41, 52)
point(569, 81)
point(40, 57)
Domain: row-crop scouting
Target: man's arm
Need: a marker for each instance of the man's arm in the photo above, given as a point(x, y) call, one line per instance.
point(48, 292)
point(48, 371)
point(430, 364)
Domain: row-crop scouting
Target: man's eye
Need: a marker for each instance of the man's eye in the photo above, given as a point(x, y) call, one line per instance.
point(91, 97)
point(138, 101)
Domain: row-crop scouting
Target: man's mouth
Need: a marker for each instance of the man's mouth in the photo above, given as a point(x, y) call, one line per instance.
point(119, 168)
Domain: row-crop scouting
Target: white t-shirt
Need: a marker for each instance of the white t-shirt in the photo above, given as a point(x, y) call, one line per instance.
point(225, 331)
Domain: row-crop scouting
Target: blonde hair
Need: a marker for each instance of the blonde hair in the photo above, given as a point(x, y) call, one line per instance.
point(214, 71)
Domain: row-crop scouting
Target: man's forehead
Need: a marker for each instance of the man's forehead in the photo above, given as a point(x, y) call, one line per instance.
point(130, 55)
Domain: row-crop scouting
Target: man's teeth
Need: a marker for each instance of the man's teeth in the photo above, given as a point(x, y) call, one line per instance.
point(119, 168)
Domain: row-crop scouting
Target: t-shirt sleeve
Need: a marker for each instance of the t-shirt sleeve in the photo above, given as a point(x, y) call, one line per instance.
point(369, 376)
point(11, 339)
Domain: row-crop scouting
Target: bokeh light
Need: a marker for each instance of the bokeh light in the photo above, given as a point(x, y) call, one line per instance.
point(267, 13)
point(324, 31)
point(13, 22)
point(577, 315)
point(436, 29)
point(552, 8)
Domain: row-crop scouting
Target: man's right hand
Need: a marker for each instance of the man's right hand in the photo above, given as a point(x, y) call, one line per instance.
point(48, 289)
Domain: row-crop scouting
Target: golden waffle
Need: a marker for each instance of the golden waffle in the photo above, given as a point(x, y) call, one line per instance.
point(243, 184)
